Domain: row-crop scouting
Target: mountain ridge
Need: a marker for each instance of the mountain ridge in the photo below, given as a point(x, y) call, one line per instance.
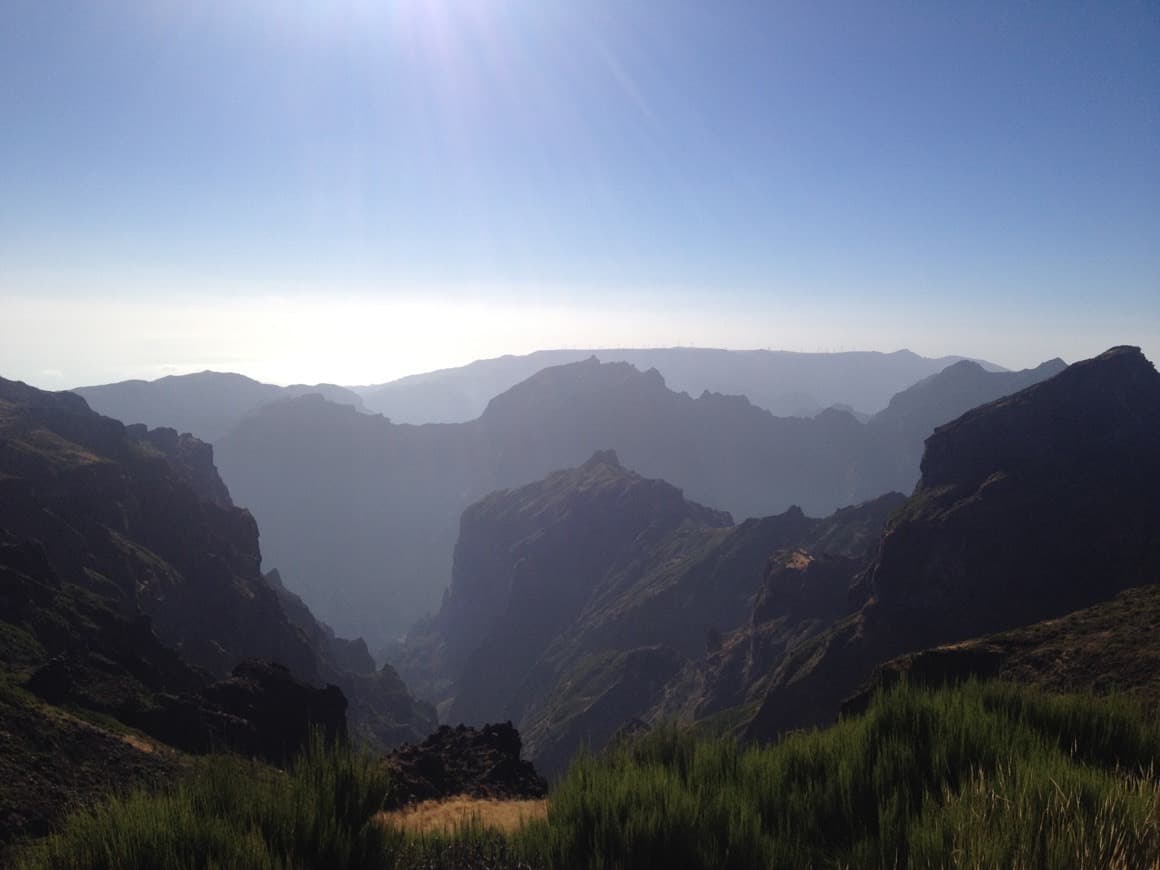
point(1014, 522)
point(379, 502)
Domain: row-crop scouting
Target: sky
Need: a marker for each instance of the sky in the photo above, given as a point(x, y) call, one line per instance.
point(355, 190)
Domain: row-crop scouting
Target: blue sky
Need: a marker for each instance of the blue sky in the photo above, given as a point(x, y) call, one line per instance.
point(354, 190)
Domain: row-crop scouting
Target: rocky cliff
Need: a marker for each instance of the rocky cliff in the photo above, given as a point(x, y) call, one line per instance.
point(129, 572)
point(593, 597)
point(1029, 508)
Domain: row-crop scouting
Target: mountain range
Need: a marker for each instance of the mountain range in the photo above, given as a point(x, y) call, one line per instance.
point(137, 623)
point(785, 383)
point(209, 404)
point(206, 404)
point(361, 514)
point(597, 597)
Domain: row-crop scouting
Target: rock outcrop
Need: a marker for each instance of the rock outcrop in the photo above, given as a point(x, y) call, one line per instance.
point(480, 762)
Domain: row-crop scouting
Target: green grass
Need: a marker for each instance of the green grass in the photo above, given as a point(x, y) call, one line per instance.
point(234, 813)
point(984, 775)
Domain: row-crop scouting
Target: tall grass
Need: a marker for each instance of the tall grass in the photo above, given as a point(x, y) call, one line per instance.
point(235, 813)
point(984, 775)
point(980, 776)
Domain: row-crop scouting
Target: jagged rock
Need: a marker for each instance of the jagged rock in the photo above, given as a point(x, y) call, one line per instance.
point(483, 763)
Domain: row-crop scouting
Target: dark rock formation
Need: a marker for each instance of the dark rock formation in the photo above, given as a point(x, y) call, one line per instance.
point(281, 710)
point(482, 763)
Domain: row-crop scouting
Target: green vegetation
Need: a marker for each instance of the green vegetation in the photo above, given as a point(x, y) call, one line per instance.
point(922, 777)
point(984, 775)
point(235, 813)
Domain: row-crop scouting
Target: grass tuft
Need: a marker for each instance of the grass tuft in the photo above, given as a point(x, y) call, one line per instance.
point(235, 813)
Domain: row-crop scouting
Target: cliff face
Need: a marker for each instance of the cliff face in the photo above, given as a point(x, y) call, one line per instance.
point(1033, 506)
point(1029, 508)
point(534, 561)
point(590, 599)
point(123, 547)
point(121, 512)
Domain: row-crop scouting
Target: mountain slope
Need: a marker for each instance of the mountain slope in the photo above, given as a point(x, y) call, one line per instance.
point(1109, 647)
point(206, 404)
point(122, 553)
point(1030, 507)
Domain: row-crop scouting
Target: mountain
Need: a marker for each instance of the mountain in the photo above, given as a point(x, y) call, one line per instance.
point(578, 601)
point(206, 404)
point(784, 383)
point(362, 513)
point(901, 428)
point(1029, 508)
point(129, 572)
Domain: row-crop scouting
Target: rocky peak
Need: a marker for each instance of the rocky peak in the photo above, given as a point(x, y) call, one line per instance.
point(190, 457)
point(603, 457)
point(1088, 412)
point(1029, 508)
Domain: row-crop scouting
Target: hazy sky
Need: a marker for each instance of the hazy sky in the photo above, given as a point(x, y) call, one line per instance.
point(352, 190)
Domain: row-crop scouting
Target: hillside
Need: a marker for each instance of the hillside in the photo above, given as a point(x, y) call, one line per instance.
point(1029, 508)
point(785, 383)
point(129, 572)
point(1111, 647)
point(361, 514)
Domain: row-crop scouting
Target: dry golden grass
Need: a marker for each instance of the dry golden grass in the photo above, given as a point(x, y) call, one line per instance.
point(446, 816)
point(140, 743)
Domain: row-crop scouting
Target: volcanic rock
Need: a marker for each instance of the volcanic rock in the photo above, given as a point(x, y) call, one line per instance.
point(480, 762)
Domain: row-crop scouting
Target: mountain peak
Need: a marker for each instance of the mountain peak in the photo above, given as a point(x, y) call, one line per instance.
point(603, 457)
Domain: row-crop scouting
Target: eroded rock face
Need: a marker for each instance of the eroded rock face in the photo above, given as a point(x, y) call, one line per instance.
point(480, 762)
point(1029, 508)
